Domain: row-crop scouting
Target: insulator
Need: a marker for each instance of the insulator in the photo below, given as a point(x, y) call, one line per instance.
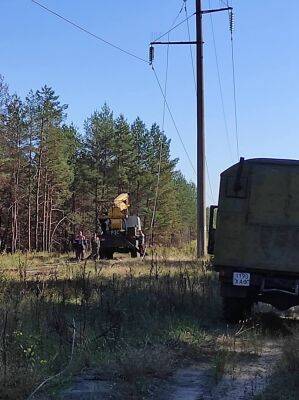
point(151, 54)
point(231, 21)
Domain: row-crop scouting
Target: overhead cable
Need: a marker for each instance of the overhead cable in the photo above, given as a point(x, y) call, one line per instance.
point(173, 28)
point(173, 120)
point(89, 33)
point(220, 85)
point(190, 46)
point(195, 86)
point(234, 82)
point(224, 2)
point(134, 56)
point(161, 142)
point(160, 152)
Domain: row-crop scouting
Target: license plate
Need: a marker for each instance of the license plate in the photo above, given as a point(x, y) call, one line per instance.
point(241, 279)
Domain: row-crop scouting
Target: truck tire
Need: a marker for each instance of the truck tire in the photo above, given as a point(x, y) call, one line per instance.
point(106, 254)
point(109, 254)
point(236, 309)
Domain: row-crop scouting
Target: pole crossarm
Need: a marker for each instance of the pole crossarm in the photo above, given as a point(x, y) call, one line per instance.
point(201, 158)
point(154, 43)
point(202, 12)
point(214, 10)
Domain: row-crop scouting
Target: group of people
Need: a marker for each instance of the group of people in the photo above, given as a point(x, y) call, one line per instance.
point(80, 245)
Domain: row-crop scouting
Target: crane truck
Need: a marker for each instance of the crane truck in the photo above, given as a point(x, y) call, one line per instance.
point(254, 235)
point(121, 232)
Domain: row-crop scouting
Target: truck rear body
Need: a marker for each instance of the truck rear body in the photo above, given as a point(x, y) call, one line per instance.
point(257, 232)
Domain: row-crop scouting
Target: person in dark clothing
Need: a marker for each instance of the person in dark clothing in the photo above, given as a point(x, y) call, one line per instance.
point(80, 246)
point(95, 246)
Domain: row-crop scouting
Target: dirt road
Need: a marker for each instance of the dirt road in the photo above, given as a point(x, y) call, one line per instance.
point(242, 381)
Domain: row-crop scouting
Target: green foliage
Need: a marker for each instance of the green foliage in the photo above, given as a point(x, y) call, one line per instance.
point(54, 181)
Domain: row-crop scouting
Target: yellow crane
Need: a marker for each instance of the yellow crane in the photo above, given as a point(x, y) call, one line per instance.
point(119, 211)
point(121, 232)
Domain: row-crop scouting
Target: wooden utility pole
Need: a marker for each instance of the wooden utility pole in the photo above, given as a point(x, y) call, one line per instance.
point(201, 204)
point(201, 159)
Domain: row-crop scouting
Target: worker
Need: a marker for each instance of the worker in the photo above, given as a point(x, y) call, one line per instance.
point(95, 246)
point(80, 246)
point(141, 241)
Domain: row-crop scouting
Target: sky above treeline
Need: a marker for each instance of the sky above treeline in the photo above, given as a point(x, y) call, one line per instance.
point(37, 48)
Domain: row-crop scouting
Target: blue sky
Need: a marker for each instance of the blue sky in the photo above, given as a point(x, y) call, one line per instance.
point(37, 48)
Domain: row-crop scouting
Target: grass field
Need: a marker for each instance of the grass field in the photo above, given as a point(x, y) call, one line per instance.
point(132, 322)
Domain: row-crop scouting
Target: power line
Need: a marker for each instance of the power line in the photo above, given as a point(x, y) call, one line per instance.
point(234, 82)
point(88, 32)
point(173, 120)
point(220, 84)
point(165, 88)
point(161, 142)
point(132, 55)
point(195, 86)
point(160, 150)
point(225, 3)
point(167, 67)
point(235, 97)
point(209, 181)
point(190, 46)
point(171, 29)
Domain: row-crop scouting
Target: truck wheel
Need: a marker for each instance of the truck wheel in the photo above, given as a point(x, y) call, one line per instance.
point(236, 309)
point(106, 254)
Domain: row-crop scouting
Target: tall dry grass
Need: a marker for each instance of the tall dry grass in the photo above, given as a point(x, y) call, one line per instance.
point(125, 313)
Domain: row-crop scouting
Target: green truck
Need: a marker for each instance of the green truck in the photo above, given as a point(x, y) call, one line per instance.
point(254, 235)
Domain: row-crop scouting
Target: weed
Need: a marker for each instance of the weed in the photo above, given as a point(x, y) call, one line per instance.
point(135, 322)
point(284, 384)
point(290, 353)
point(134, 318)
point(223, 361)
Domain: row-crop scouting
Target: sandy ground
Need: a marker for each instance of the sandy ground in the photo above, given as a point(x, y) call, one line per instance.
point(246, 380)
point(196, 382)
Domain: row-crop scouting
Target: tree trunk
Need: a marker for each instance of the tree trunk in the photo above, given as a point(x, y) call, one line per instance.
point(38, 187)
point(29, 193)
point(50, 212)
point(38, 183)
point(96, 222)
point(44, 230)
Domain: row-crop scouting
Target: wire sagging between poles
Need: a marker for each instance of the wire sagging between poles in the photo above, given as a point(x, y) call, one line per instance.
point(176, 26)
point(190, 46)
point(161, 142)
point(89, 33)
point(220, 86)
point(231, 28)
point(173, 121)
point(195, 86)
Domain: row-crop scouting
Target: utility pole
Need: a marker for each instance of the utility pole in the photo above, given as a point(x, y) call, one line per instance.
point(201, 159)
point(201, 204)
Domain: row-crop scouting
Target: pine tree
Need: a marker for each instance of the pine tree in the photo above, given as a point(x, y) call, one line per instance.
point(97, 160)
point(53, 181)
point(124, 155)
point(138, 172)
point(46, 113)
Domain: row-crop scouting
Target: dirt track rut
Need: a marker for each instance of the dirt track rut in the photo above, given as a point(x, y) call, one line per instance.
point(243, 382)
